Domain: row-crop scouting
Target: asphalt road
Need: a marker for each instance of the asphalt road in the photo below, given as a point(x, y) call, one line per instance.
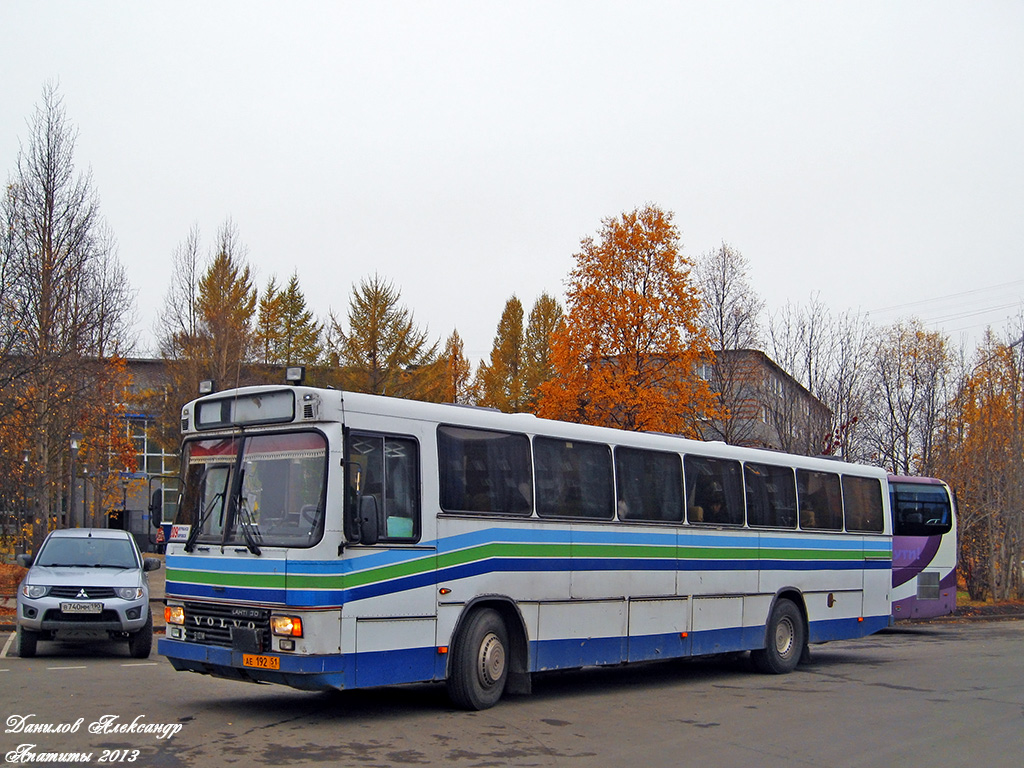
point(945, 694)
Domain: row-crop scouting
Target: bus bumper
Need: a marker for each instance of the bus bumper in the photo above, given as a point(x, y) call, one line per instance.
point(309, 673)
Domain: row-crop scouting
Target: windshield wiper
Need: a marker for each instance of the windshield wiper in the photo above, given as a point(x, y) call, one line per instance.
point(65, 565)
point(194, 533)
point(250, 529)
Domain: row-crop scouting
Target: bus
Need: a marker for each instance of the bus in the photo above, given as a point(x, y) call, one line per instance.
point(924, 548)
point(336, 540)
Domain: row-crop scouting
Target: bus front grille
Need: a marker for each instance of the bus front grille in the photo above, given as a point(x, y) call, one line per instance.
point(212, 623)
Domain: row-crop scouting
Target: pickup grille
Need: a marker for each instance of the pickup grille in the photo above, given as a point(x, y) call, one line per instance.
point(211, 623)
point(76, 593)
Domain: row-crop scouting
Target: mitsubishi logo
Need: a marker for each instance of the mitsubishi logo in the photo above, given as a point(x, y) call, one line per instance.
point(81, 593)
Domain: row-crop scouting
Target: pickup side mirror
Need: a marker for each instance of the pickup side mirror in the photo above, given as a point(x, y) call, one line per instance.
point(25, 561)
point(150, 563)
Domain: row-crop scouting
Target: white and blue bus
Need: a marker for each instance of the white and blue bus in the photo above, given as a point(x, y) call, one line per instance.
point(332, 540)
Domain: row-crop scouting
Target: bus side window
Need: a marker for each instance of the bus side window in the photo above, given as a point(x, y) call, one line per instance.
point(714, 490)
point(573, 479)
point(389, 474)
point(401, 500)
point(862, 504)
point(771, 495)
point(821, 505)
point(484, 471)
point(650, 485)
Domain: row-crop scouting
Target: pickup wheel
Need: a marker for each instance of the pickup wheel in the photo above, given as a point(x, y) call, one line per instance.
point(27, 640)
point(141, 643)
point(479, 665)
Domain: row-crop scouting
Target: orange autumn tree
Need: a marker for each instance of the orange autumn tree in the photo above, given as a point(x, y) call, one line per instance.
point(107, 454)
point(627, 352)
point(980, 452)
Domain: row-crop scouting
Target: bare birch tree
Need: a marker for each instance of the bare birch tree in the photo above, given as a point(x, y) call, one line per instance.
point(731, 313)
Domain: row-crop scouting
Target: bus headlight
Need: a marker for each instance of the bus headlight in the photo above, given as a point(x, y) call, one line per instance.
point(174, 614)
point(286, 626)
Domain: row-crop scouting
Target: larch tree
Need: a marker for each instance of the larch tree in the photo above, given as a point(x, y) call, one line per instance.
point(500, 381)
point(458, 379)
point(268, 323)
point(226, 304)
point(301, 333)
point(206, 330)
point(287, 332)
point(545, 318)
point(383, 352)
point(627, 354)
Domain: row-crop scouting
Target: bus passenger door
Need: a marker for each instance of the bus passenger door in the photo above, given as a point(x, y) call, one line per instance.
point(390, 614)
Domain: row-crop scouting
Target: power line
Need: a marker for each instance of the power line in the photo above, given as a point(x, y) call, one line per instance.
point(963, 294)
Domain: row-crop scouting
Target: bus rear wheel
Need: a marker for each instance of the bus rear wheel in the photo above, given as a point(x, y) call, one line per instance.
point(785, 638)
point(479, 664)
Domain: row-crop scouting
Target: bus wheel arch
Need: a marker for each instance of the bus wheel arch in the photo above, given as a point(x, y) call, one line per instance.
point(489, 654)
point(786, 634)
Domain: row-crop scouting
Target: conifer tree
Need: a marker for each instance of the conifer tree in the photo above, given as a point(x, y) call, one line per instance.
point(545, 317)
point(501, 380)
point(383, 352)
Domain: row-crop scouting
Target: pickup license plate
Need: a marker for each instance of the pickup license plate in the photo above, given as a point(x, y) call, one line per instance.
point(81, 607)
point(260, 662)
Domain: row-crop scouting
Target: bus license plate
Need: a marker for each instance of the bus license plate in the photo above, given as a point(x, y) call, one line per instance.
point(260, 662)
point(81, 607)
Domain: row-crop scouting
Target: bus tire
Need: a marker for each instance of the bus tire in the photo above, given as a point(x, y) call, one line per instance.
point(480, 661)
point(785, 639)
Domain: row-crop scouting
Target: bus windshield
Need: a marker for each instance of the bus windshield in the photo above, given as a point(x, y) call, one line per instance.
point(920, 510)
point(255, 491)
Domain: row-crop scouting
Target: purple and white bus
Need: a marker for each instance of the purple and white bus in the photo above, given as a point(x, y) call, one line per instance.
point(923, 548)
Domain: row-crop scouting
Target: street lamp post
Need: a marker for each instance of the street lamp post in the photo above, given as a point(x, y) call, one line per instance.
point(76, 441)
point(85, 518)
point(124, 502)
point(23, 518)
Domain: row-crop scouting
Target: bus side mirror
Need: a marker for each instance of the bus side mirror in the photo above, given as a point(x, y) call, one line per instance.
point(156, 507)
point(369, 520)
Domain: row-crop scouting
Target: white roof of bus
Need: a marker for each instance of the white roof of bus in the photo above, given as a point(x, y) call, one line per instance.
point(341, 402)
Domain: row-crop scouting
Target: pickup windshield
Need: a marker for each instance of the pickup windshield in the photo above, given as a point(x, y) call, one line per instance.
point(82, 552)
point(255, 491)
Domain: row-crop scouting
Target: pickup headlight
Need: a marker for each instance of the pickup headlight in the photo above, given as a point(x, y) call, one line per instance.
point(129, 593)
point(35, 591)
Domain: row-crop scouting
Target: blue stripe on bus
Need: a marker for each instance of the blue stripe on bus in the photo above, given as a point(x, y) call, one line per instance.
point(464, 541)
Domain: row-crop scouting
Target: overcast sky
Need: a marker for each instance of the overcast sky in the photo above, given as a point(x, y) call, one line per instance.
point(869, 151)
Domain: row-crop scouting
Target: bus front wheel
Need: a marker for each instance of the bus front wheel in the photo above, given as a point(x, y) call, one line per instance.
point(479, 664)
point(785, 638)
